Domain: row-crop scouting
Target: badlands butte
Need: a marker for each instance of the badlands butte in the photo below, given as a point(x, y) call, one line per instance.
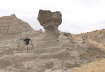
point(22, 49)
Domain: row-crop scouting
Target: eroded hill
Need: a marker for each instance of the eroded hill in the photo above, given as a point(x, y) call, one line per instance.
point(49, 51)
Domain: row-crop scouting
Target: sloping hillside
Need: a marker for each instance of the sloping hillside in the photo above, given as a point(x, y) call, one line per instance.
point(96, 66)
point(47, 51)
point(62, 54)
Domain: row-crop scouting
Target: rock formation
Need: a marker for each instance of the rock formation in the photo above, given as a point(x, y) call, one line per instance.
point(47, 54)
point(11, 24)
point(50, 22)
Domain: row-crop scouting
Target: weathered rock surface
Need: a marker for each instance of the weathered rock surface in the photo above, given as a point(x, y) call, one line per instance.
point(49, 51)
point(11, 25)
point(50, 21)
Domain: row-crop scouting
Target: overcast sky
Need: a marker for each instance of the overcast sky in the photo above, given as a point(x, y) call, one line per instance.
point(78, 15)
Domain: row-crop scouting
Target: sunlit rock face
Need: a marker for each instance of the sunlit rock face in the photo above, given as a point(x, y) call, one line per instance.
point(50, 22)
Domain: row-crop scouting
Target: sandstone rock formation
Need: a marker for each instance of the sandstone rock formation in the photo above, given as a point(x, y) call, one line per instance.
point(11, 25)
point(50, 21)
point(47, 53)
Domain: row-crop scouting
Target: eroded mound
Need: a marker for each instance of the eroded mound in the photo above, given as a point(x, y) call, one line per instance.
point(51, 50)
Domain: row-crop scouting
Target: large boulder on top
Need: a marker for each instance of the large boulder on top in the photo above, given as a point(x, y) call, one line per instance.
point(50, 21)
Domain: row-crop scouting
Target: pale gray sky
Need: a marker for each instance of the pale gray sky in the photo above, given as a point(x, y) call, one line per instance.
point(78, 15)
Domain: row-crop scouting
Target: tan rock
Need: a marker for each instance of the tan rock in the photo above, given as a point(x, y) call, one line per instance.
point(50, 21)
point(11, 24)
